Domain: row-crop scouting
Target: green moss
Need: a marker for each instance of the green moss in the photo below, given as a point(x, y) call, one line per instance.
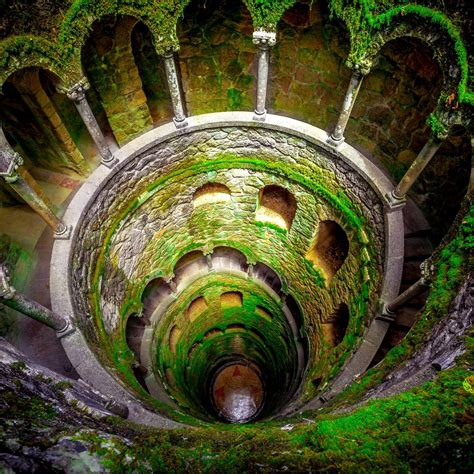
point(267, 13)
point(234, 99)
point(425, 429)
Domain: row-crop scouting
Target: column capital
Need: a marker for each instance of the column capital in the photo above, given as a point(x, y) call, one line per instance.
point(363, 67)
point(168, 54)
point(6, 290)
point(264, 39)
point(76, 92)
point(10, 160)
point(427, 272)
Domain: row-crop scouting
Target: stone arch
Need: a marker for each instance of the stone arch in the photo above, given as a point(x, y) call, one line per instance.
point(312, 85)
point(190, 264)
point(228, 257)
point(269, 276)
point(40, 122)
point(116, 85)
point(330, 248)
point(155, 292)
point(439, 35)
point(277, 206)
point(82, 14)
point(21, 52)
point(397, 96)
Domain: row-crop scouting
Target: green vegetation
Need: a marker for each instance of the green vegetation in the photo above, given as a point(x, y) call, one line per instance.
point(267, 13)
point(426, 429)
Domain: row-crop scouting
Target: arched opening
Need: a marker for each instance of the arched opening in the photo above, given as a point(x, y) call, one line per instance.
point(152, 74)
point(310, 86)
point(267, 275)
point(211, 193)
point(295, 311)
point(215, 61)
point(115, 78)
point(189, 265)
point(134, 333)
point(330, 248)
point(44, 126)
point(276, 206)
point(173, 339)
point(389, 117)
point(229, 258)
point(196, 308)
point(335, 327)
point(231, 299)
point(154, 294)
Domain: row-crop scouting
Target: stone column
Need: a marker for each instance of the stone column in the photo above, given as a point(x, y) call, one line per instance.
point(263, 40)
point(397, 197)
point(77, 93)
point(337, 136)
point(21, 303)
point(27, 188)
point(179, 118)
point(389, 309)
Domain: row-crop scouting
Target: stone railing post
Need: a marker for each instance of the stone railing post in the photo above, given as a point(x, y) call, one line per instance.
point(77, 93)
point(18, 178)
point(389, 309)
point(359, 72)
point(397, 197)
point(21, 303)
point(179, 118)
point(263, 40)
point(337, 136)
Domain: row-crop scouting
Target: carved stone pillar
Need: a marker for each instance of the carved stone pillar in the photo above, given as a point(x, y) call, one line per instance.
point(11, 298)
point(77, 93)
point(397, 197)
point(337, 136)
point(389, 309)
point(263, 40)
point(27, 188)
point(179, 118)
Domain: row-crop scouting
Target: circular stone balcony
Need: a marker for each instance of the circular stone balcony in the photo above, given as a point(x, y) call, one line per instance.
point(229, 243)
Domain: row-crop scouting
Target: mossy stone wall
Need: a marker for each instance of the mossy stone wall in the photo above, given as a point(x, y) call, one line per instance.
point(217, 57)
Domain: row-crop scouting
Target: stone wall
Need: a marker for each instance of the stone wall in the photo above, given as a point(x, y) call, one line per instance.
point(217, 57)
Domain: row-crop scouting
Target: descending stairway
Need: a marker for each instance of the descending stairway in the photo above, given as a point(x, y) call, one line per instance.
point(418, 247)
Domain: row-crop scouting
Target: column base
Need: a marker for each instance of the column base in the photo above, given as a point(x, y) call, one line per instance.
point(68, 329)
point(386, 314)
point(180, 123)
point(260, 116)
point(63, 233)
point(394, 201)
point(110, 163)
point(332, 140)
